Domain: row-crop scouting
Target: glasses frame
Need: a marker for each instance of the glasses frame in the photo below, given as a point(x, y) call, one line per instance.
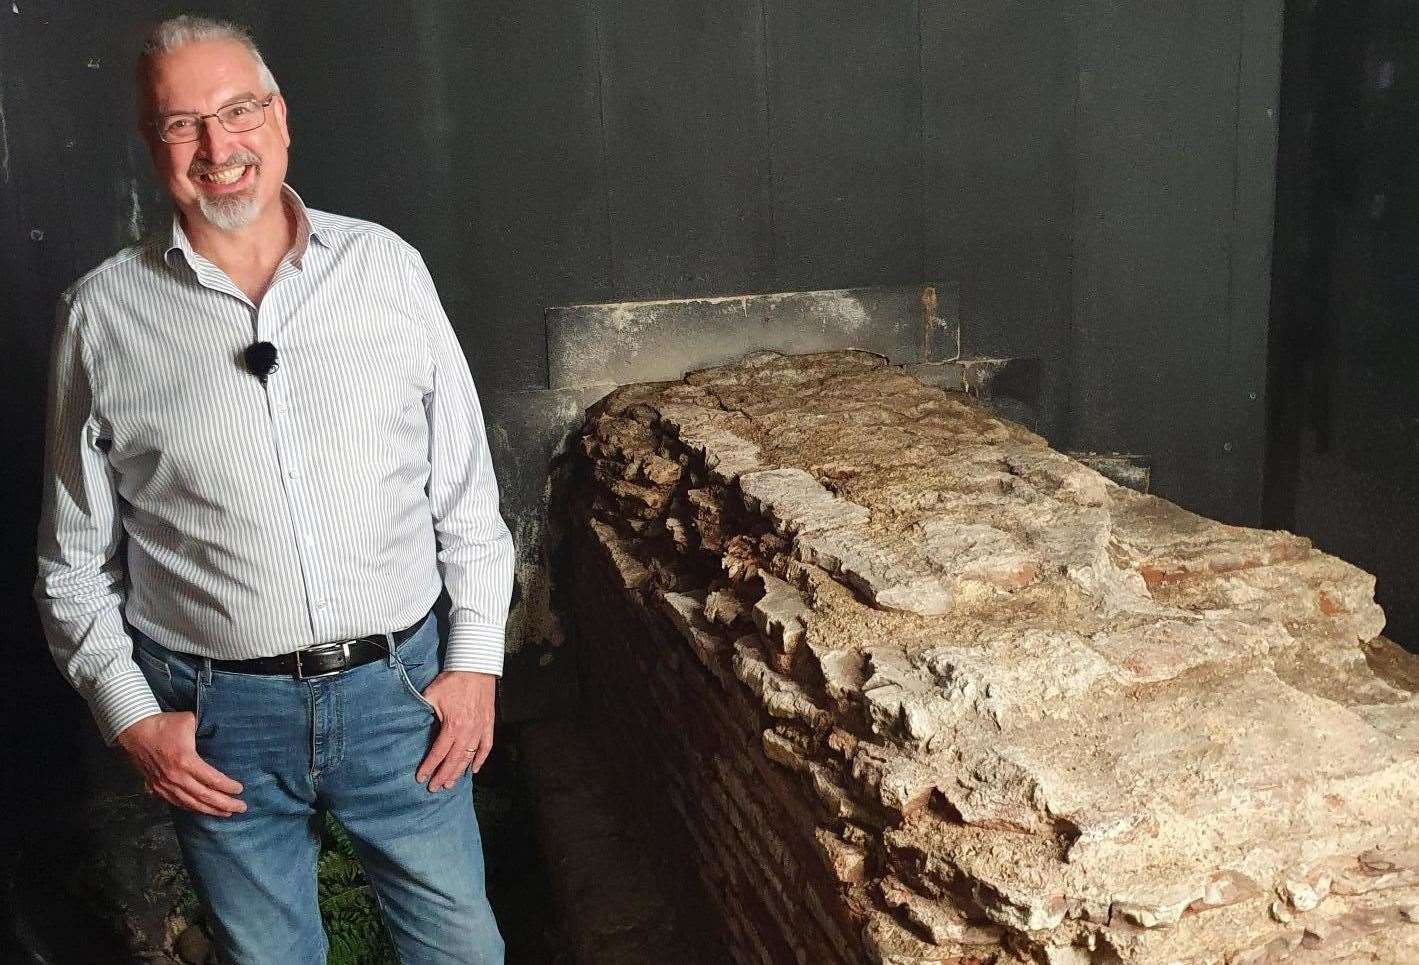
point(201, 118)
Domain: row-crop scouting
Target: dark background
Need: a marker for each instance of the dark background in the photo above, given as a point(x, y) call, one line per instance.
point(1344, 453)
point(1089, 182)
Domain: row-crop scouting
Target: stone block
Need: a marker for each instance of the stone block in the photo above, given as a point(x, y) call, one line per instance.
point(996, 707)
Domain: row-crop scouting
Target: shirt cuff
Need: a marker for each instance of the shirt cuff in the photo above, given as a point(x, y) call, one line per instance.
point(476, 647)
point(120, 701)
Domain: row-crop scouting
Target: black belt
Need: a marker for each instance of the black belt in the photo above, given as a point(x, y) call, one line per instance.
point(322, 659)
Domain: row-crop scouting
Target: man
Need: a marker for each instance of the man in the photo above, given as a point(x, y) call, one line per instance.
point(269, 404)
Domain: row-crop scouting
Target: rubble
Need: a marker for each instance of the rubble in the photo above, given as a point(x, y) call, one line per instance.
point(918, 689)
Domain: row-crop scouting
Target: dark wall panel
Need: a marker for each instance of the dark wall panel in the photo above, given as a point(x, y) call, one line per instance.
point(1154, 225)
point(844, 122)
point(476, 136)
point(686, 147)
point(998, 147)
point(1243, 390)
point(516, 97)
point(524, 107)
point(1344, 460)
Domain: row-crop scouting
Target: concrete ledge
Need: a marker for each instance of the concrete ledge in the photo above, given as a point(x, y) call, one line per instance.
point(660, 340)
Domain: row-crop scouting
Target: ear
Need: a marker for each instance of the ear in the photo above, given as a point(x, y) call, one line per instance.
point(278, 107)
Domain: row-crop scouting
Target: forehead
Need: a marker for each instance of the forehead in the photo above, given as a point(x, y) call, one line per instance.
point(202, 75)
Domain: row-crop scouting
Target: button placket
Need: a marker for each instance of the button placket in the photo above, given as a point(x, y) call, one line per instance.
point(290, 459)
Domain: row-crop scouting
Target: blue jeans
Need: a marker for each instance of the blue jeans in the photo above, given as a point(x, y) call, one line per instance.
point(349, 744)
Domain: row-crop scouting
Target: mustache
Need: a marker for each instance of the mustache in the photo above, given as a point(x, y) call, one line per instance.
point(199, 167)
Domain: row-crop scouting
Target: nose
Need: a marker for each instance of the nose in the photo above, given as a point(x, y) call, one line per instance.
point(217, 141)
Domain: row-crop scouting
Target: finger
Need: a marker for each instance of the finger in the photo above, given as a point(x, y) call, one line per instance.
point(452, 767)
point(212, 777)
point(451, 774)
point(180, 798)
point(443, 746)
point(435, 759)
point(426, 767)
point(431, 761)
point(211, 798)
point(485, 747)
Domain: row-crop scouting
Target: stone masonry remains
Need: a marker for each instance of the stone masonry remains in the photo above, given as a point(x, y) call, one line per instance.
point(904, 685)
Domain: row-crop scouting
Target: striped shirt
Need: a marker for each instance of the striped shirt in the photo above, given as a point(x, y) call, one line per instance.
point(333, 502)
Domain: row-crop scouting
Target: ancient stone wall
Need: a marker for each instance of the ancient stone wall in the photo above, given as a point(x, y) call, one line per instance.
point(907, 686)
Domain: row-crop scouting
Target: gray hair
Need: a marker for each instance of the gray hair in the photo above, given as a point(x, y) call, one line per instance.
point(186, 29)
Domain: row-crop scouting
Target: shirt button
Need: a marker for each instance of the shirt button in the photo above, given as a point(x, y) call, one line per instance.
point(283, 407)
point(293, 473)
point(323, 604)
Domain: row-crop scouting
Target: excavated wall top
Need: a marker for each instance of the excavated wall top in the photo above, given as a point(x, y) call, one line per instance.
point(1040, 717)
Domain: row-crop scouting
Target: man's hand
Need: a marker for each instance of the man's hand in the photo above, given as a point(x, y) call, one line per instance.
point(463, 701)
point(163, 747)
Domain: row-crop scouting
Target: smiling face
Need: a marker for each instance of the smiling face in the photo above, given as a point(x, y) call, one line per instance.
point(228, 180)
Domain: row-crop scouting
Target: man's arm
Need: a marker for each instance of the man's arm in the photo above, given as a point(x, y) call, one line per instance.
point(475, 551)
point(79, 590)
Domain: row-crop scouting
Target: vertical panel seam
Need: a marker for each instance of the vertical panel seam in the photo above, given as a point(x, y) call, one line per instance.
point(600, 39)
point(4, 128)
point(1222, 398)
point(1069, 417)
point(921, 146)
point(769, 141)
point(15, 195)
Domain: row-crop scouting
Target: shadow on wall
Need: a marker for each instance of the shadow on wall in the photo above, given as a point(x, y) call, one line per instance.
point(1343, 463)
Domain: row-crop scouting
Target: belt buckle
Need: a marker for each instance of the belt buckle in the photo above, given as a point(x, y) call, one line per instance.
point(344, 646)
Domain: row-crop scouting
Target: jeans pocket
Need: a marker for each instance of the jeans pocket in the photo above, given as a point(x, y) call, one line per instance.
point(152, 664)
point(417, 661)
point(175, 685)
point(413, 688)
point(159, 676)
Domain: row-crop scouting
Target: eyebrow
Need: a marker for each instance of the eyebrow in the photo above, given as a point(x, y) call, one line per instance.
point(234, 99)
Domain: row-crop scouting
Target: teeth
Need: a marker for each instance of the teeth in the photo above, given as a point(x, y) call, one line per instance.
point(226, 175)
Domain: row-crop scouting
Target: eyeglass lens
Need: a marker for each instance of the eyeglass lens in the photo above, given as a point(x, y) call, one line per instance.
point(235, 118)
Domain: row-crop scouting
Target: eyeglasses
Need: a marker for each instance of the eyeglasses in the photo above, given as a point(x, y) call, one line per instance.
point(235, 118)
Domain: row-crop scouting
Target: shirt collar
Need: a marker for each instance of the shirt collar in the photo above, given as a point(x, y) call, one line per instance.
point(305, 232)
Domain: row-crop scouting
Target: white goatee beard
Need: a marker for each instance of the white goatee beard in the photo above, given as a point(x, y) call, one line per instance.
point(230, 213)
